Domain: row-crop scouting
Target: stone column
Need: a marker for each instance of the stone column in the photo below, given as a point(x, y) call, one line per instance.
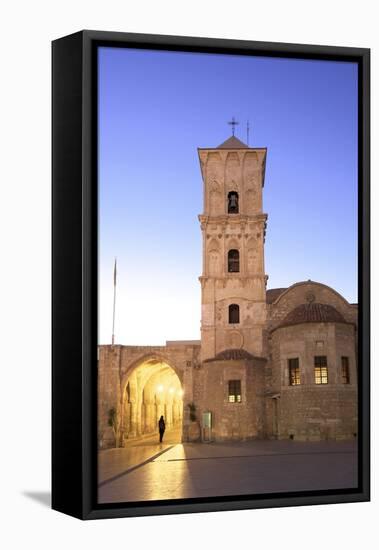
point(139, 405)
point(175, 412)
point(133, 418)
point(169, 412)
point(149, 416)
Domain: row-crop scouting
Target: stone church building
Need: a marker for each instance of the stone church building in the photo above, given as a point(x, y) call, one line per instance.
point(271, 363)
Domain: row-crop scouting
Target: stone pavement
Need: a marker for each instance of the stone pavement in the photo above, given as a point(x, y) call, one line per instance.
point(146, 470)
point(115, 461)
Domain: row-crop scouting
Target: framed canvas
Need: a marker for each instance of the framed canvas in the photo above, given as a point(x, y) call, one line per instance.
point(210, 275)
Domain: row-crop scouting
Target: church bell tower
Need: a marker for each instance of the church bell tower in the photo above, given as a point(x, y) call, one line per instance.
point(233, 281)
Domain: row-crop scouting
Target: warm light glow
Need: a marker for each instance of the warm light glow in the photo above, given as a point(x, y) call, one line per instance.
point(180, 393)
point(171, 390)
point(160, 388)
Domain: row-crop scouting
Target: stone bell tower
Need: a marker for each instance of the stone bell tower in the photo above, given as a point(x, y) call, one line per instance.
point(233, 281)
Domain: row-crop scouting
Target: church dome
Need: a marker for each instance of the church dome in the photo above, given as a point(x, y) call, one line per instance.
point(272, 294)
point(312, 313)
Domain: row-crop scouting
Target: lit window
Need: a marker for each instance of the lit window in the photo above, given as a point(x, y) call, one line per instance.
point(234, 391)
point(234, 314)
point(294, 371)
point(233, 261)
point(321, 369)
point(345, 370)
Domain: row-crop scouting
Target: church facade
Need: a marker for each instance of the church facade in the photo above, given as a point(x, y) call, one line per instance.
point(271, 363)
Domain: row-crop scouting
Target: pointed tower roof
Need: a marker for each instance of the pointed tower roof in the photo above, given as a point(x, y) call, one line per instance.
point(233, 143)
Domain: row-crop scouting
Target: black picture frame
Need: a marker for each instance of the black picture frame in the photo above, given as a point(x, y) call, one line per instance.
point(74, 273)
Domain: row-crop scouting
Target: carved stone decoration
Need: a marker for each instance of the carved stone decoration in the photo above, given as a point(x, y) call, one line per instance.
point(214, 196)
point(214, 262)
point(249, 201)
point(214, 185)
point(251, 164)
point(234, 339)
point(232, 185)
point(233, 243)
point(252, 260)
point(252, 182)
point(232, 171)
point(219, 312)
point(214, 258)
point(214, 178)
point(203, 282)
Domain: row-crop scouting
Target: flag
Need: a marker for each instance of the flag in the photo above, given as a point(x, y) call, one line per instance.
point(114, 296)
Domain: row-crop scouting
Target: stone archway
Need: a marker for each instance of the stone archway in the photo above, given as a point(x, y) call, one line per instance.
point(151, 389)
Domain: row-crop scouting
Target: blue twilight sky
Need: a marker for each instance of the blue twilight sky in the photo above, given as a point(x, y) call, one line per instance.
point(155, 109)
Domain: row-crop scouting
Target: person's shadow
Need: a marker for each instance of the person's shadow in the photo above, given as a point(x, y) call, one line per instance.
point(42, 497)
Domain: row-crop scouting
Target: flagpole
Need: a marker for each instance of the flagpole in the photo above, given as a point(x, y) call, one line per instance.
point(114, 296)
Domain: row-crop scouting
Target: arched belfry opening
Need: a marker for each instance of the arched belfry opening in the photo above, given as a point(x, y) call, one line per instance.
point(233, 202)
point(151, 390)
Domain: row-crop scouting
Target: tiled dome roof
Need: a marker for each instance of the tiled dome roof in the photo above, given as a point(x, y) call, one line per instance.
point(231, 354)
point(312, 313)
point(273, 293)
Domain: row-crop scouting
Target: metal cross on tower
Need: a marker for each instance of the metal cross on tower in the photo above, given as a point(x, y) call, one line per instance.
point(233, 123)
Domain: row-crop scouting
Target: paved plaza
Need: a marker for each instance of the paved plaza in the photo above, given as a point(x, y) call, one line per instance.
point(147, 470)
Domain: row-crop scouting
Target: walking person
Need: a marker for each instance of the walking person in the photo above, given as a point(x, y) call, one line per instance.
point(162, 427)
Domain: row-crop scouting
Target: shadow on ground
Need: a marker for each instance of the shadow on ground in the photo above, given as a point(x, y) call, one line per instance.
point(42, 497)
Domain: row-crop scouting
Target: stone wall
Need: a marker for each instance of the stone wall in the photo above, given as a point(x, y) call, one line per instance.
point(109, 392)
point(232, 421)
point(313, 411)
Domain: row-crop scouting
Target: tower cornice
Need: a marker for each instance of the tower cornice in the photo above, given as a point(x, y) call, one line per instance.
point(236, 219)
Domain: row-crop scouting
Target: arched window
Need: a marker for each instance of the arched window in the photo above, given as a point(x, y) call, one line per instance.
point(233, 202)
point(234, 314)
point(233, 261)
